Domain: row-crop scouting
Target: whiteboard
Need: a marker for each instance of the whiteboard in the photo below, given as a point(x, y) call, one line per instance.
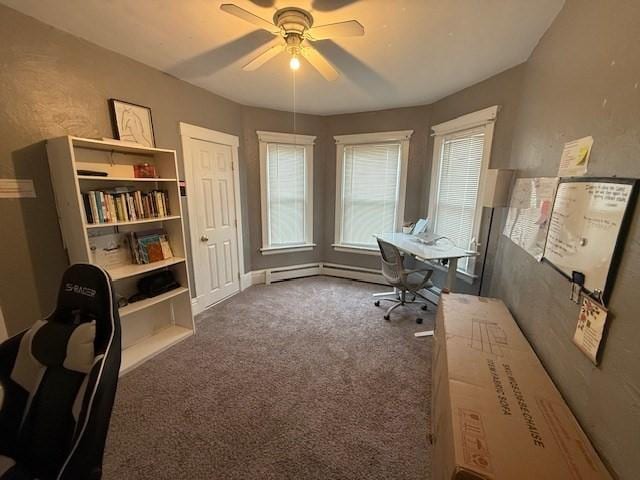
point(585, 225)
point(529, 211)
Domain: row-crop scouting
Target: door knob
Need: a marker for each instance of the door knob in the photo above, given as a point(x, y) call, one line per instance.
point(204, 238)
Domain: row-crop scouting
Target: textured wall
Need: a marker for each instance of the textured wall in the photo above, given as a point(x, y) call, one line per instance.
point(413, 118)
point(53, 84)
point(254, 119)
point(583, 79)
point(502, 89)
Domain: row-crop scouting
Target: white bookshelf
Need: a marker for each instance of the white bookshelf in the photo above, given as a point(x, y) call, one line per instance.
point(152, 325)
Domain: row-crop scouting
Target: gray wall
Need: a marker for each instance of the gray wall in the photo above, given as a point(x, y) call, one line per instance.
point(413, 118)
point(53, 84)
point(255, 119)
point(583, 79)
point(502, 89)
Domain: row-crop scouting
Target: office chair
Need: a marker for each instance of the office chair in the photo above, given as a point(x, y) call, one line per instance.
point(59, 380)
point(411, 281)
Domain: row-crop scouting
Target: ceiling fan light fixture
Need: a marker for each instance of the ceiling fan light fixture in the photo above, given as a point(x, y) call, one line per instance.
point(295, 25)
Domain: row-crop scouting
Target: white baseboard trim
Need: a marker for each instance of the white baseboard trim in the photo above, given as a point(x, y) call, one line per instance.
point(354, 273)
point(196, 306)
point(268, 276)
point(293, 271)
point(251, 278)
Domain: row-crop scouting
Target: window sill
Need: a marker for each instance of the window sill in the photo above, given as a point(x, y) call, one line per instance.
point(287, 249)
point(353, 249)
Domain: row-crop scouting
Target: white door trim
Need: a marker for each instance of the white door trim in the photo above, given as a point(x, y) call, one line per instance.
point(187, 132)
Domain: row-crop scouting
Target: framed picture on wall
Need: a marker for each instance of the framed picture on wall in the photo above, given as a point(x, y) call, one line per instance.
point(132, 123)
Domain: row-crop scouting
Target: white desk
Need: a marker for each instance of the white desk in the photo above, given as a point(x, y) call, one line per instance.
point(405, 242)
point(408, 243)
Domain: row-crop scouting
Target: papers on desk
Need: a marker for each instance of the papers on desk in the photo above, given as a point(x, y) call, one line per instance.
point(442, 249)
point(428, 238)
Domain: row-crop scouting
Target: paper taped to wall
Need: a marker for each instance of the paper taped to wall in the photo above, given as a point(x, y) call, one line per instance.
point(575, 157)
point(591, 322)
point(529, 213)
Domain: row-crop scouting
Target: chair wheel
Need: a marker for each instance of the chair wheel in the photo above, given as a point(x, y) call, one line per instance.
point(424, 307)
point(386, 317)
point(419, 321)
point(377, 303)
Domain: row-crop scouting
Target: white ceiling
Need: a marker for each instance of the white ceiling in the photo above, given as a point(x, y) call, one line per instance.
point(413, 52)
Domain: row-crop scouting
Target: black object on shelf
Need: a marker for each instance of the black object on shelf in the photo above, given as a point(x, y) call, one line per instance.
point(92, 173)
point(154, 285)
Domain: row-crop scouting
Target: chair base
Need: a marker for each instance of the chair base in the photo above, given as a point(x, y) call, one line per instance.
point(400, 300)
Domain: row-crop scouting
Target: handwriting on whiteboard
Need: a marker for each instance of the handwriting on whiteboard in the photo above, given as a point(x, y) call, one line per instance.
point(584, 228)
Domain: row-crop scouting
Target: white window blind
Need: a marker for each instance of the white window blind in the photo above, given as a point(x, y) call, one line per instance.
point(286, 179)
point(370, 183)
point(458, 181)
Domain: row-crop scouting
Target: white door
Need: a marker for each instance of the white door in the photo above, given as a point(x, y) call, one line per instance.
point(216, 259)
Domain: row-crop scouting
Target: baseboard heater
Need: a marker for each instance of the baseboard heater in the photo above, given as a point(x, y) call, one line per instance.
point(329, 269)
point(368, 275)
point(288, 273)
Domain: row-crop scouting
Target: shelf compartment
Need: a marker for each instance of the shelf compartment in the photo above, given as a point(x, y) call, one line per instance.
point(126, 271)
point(134, 222)
point(147, 302)
point(96, 178)
point(116, 146)
point(148, 347)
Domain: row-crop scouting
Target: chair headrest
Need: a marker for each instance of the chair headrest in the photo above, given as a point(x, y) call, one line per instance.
point(64, 344)
point(85, 294)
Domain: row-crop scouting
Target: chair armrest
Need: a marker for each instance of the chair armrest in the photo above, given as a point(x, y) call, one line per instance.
point(8, 353)
point(13, 396)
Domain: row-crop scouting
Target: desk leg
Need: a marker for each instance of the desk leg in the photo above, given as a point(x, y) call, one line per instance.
point(451, 274)
point(451, 282)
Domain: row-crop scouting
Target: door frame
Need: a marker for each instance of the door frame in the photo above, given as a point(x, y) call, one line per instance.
point(194, 132)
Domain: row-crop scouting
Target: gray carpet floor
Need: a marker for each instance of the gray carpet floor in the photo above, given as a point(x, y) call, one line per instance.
point(297, 380)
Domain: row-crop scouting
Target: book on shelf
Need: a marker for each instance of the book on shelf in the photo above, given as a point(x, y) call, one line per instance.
point(111, 250)
point(123, 204)
point(149, 246)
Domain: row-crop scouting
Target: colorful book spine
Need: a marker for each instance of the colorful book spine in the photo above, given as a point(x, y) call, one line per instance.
point(121, 205)
point(87, 207)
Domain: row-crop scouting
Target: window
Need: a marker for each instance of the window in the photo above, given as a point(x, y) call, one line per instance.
point(370, 188)
point(286, 174)
point(460, 159)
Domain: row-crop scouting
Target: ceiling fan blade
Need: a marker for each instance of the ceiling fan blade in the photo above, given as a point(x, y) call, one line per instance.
point(264, 3)
point(330, 5)
point(351, 28)
point(317, 60)
point(249, 17)
point(263, 58)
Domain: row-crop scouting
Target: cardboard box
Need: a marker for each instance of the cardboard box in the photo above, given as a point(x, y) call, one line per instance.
point(496, 413)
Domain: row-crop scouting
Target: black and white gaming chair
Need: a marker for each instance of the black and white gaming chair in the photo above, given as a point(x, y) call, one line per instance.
point(59, 380)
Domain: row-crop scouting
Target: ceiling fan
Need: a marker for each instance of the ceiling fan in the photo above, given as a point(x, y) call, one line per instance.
point(295, 26)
